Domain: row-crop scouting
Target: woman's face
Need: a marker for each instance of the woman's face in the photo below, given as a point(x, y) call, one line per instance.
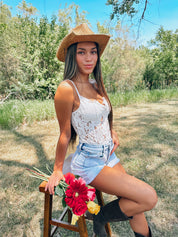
point(86, 57)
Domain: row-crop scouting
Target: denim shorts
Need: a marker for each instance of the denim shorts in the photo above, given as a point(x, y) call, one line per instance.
point(89, 160)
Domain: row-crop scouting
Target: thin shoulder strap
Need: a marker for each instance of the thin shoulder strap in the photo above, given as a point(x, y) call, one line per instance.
point(75, 88)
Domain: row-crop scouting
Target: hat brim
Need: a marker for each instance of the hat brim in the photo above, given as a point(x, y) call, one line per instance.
point(73, 38)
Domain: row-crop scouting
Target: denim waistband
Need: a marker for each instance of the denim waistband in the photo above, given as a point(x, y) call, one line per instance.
point(96, 147)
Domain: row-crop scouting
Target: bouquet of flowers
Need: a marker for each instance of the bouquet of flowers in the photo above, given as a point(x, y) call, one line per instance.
point(74, 193)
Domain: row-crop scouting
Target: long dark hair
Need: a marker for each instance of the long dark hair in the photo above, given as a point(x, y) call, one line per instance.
point(71, 71)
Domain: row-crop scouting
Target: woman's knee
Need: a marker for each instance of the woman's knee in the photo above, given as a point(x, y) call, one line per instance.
point(151, 199)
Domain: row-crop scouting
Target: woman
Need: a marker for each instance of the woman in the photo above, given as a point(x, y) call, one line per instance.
point(83, 107)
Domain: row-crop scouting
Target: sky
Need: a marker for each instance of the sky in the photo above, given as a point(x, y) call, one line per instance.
point(159, 13)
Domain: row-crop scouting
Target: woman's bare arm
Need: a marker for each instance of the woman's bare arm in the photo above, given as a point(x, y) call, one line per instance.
point(63, 104)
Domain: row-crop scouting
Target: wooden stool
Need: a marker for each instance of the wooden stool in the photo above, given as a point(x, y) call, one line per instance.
point(81, 223)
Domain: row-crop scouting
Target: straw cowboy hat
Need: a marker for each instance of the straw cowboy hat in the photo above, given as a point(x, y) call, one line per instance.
point(81, 33)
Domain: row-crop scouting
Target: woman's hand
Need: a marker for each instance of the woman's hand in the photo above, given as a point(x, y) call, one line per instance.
point(115, 140)
point(53, 181)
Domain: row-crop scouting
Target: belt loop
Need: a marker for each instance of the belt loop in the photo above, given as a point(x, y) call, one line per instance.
point(102, 151)
point(82, 146)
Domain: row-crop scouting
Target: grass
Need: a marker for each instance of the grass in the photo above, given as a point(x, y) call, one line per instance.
point(142, 96)
point(148, 135)
point(14, 113)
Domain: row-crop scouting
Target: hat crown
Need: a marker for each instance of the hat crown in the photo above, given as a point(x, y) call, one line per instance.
point(82, 29)
point(81, 33)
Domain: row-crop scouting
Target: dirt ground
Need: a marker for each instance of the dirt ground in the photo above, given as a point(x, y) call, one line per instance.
point(148, 149)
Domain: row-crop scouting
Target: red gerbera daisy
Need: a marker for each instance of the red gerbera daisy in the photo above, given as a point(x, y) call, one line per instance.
point(69, 177)
point(76, 192)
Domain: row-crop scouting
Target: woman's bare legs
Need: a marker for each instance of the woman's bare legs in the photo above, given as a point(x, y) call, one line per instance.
point(139, 224)
point(137, 196)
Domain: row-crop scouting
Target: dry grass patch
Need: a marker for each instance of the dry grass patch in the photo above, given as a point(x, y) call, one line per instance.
point(149, 139)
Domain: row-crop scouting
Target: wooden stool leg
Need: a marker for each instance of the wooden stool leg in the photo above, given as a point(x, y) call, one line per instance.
point(69, 215)
point(101, 203)
point(47, 215)
point(82, 227)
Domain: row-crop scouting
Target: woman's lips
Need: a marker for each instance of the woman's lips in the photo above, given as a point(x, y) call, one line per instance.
point(88, 66)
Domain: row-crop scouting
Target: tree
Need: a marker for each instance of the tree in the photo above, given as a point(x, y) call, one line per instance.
point(122, 64)
point(28, 64)
point(162, 70)
point(129, 7)
point(71, 17)
point(8, 60)
point(27, 9)
point(29, 67)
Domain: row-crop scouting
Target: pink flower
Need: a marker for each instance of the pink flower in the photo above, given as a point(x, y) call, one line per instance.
point(91, 194)
point(82, 181)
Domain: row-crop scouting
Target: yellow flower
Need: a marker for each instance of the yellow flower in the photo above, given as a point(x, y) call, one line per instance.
point(74, 219)
point(93, 208)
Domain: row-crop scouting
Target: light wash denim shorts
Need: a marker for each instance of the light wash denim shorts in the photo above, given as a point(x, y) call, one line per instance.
point(89, 160)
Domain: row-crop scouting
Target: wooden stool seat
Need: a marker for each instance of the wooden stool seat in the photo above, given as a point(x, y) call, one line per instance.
point(81, 227)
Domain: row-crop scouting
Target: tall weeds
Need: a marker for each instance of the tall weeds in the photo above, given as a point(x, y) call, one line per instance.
point(142, 96)
point(16, 112)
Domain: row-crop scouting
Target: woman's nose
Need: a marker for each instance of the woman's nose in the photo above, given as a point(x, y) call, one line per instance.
point(88, 56)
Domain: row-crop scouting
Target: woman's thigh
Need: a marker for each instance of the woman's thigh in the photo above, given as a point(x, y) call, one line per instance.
point(117, 182)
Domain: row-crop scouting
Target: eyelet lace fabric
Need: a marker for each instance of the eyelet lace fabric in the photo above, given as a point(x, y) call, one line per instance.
point(90, 121)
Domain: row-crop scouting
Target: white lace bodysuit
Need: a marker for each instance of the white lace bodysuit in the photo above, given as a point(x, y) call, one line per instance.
point(90, 120)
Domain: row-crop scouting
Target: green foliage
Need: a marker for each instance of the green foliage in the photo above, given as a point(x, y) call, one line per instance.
point(15, 112)
point(142, 96)
point(161, 70)
point(27, 9)
point(122, 65)
point(121, 7)
point(29, 68)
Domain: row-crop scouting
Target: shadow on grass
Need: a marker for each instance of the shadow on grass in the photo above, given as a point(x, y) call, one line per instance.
point(17, 181)
point(148, 151)
point(42, 156)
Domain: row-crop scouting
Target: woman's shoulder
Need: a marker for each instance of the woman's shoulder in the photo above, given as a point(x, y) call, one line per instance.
point(64, 90)
point(65, 86)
